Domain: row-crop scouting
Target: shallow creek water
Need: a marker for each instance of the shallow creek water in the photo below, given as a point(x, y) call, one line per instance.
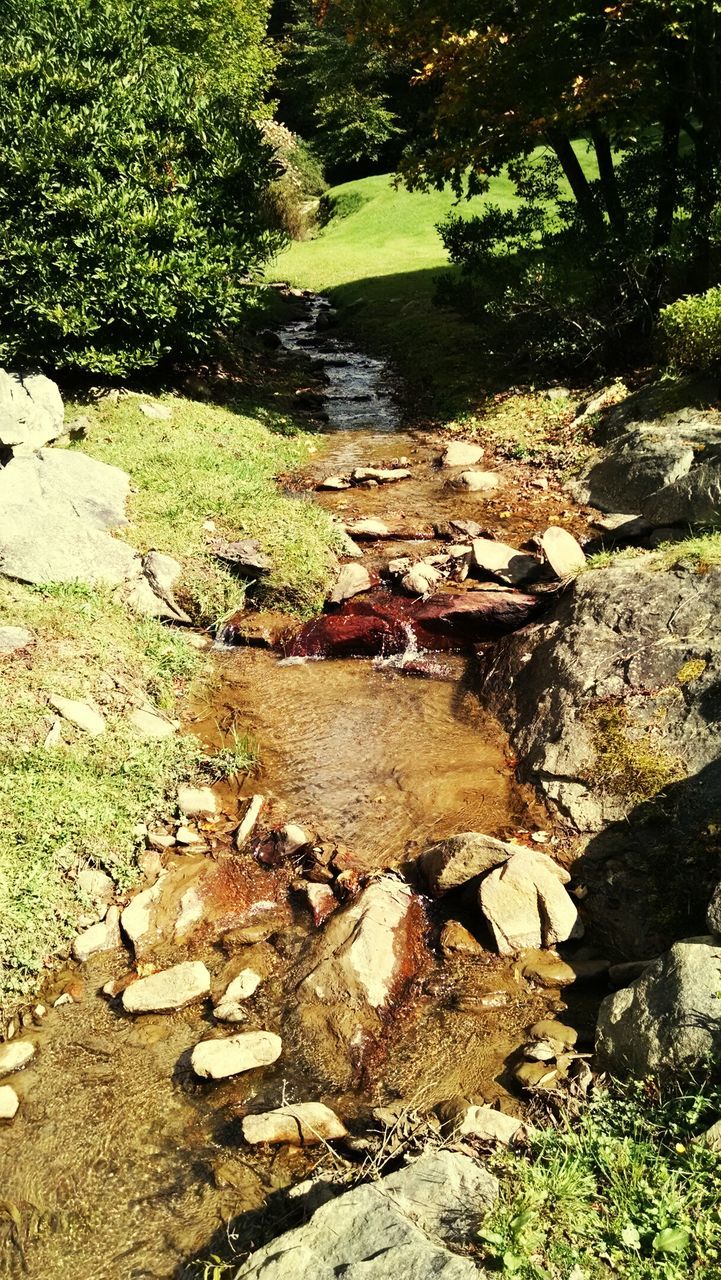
point(120, 1163)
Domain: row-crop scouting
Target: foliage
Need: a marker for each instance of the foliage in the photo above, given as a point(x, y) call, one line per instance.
point(690, 331)
point(136, 203)
point(299, 182)
point(623, 1189)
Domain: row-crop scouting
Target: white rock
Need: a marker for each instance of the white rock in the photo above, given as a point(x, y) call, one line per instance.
point(352, 579)
point(96, 884)
point(14, 640)
point(488, 1125)
point(301, 1125)
point(9, 1102)
point(503, 561)
point(103, 936)
point(334, 483)
point(80, 714)
point(196, 802)
point(476, 481)
point(15, 1055)
point(368, 528)
point(149, 724)
point(218, 1059)
point(461, 453)
point(162, 412)
point(421, 579)
point(171, 989)
point(249, 820)
point(564, 554)
point(31, 411)
point(294, 838)
point(137, 917)
point(526, 905)
point(243, 986)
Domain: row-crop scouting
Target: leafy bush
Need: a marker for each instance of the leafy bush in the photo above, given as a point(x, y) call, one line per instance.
point(133, 178)
point(299, 182)
point(690, 331)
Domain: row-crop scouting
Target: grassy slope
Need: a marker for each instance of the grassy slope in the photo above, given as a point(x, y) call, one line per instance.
point(78, 803)
point(382, 262)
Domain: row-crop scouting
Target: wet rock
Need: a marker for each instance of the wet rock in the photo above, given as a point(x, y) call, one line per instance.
point(243, 986)
point(150, 724)
point(488, 1125)
point(504, 562)
point(526, 905)
point(80, 714)
point(172, 988)
point(14, 640)
point(421, 579)
point(458, 859)
point(367, 530)
point(321, 900)
point(261, 630)
point(351, 581)
point(293, 838)
point(476, 481)
point(564, 554)
point(548, 970)
point(15, 1055)
point(346, 635)
point(197, 802)
point(693, 499)
point(551, 1028)
point(475, 616)
point(461, 453)
point(249, 820)
point(9, 1102)
point(103, 936)
point(455, 939)
point(334, 483)
point(302, 1125)
point(391, 1227)
point(246, 1051)
point(383, 475)
point(668, 1020)
point(465, 529)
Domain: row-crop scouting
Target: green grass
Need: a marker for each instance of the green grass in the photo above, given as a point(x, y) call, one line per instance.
point(700, 551)
point(381, 263)
point(619, 1190)
point(217, 463)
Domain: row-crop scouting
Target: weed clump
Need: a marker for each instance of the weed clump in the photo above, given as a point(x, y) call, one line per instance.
point(629, 760)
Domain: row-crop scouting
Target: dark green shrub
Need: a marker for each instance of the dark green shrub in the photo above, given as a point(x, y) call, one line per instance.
point(133, 178)
point(690, 331)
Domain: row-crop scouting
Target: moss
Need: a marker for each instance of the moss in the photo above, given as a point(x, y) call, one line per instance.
point(629, 759)
point(691, 670)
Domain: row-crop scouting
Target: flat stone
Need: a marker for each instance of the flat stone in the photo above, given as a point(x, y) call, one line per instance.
point(457, 939)
point(548, 971)
point(476, 481)
point(14, 639)
point(383, 475)
point(103, 936)
point(461, 453)
point(334, 483)
point(488, 1125)
point(218, 1059)
point(550, 1028)
point(367, 530)
point(351, 580)
point(302, 1125)
point(31, 411)
point(15, 1055)
point(460, 858)
point(196, 802)
point(149, 724)
point(503, 561)
point(151, 409)
point(172, 988)
point(564, 554)
point(80, 714)
point(9, 1102)
point(249, 820)
point(623, 524)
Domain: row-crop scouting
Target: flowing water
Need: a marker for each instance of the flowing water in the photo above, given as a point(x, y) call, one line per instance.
point(120, 1163)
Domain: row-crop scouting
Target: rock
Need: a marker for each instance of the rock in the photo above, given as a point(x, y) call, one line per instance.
point(96, 884)
point(263, 630)
point(665, 534)
point(334, 483)
point(80, 714)
point(367, 530)
point(548, 970)
point(9, 1102)
point(249, 820)
point(526, 905)
point(458, 859)
point(103, 936)
point(609, 395)
point(244, 554)
point(246, 1051)
point(624, 525)
point(622, 975)
point(14, 640)
point(550, 1028)
point(15, 1055)
point(713, 915)
point(541, 1051)
point(150, 592)
point(243, 986)
point(73, 500)
point(503, 562)
point(461, 453)
point(302, 1125)
point(488, 1125)
point(150, 724)
point(712, 1137)
point(31, 411)
point(196, 802)
point(393, 1226)
point(352, 579)
point(293, 838)
point(383, 475)
point(455, 938)
point(692, 499)
point(172, 988)
point(421, 579)
point(669, 1020)
point(321, 900)
point(151, 409)
point(564, 554)
point(536, 1075)
point(476, 481)
point(638, 464)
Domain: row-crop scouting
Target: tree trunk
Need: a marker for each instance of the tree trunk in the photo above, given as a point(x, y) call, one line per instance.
point(578, 182)
point(607, 177)
point(708, 144)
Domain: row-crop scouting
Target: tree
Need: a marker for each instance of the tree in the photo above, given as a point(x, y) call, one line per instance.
point(133, 178)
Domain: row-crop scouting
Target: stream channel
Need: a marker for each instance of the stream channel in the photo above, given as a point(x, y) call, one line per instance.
point(121, 1165)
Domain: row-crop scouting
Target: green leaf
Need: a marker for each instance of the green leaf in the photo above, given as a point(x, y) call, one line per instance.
point(671, 1240)
point(512, 1262)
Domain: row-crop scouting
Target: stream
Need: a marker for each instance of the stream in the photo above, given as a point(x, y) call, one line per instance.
point(121, 1164)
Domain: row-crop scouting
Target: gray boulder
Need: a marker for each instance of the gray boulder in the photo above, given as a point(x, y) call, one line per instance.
point(398, 1226)
point(31, 411)
point(636, 465)
point(669, 1019)
point(694, 499)
point(458, 859)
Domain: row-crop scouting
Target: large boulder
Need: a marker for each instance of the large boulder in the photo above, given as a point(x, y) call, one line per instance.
point(669, 1019)
point(694, 499)
point(31, 411)
point(637, 465)
point(396, 1226)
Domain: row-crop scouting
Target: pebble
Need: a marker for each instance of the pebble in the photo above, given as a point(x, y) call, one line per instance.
point(15, 1055)
point(218, 1059)
point(488, 1125)
point(9, 1102)
point(170, 989)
